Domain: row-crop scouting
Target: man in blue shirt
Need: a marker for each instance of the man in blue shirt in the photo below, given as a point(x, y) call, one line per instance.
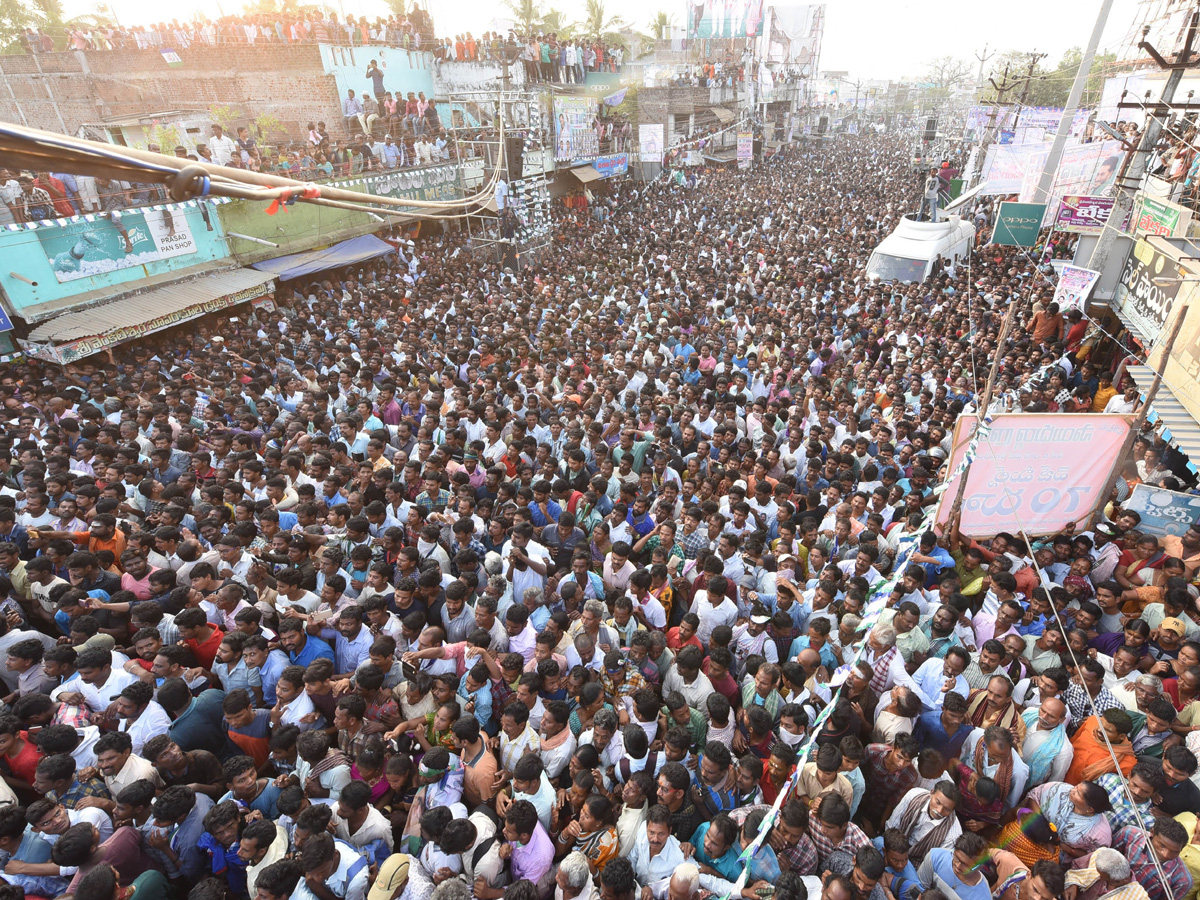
point(198, 721)
point(713, 843)
point(302, 648)
point(932, 558)
point(944, 730)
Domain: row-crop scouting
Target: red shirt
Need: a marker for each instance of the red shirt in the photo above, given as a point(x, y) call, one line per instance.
point(24, 764)
point(207, 652)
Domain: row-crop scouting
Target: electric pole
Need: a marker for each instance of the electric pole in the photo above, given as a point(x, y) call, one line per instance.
point(1050, 170)
point(989, 133)
point(1127, 184)
point(983, 58)
point(1034, 59)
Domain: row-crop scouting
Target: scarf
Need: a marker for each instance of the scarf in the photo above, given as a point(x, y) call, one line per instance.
point(1043, 757)
point(977, 711)
point(332, 760)
point(935, 837)
point(1004, 771)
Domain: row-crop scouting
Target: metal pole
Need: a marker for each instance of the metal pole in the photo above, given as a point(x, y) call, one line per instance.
point(1136, 169)
point(1046, 182)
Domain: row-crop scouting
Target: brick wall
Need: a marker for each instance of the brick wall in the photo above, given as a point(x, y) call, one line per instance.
point(62, 91)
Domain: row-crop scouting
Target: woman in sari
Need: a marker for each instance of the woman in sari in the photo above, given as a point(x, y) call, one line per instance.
point(1077, 814)
point(592, 834)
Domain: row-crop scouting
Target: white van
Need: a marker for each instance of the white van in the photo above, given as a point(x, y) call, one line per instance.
point(908, 253)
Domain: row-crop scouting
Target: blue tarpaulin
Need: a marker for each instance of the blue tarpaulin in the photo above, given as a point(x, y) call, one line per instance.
point(343, 254)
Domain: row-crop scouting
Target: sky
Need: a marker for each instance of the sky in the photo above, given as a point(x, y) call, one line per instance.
point(872, 39)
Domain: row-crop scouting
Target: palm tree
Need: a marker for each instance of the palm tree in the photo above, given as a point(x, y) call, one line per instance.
point(554, 21)
point(527, 14)
point(660, 25)
point(598, 23)
point(400, 8)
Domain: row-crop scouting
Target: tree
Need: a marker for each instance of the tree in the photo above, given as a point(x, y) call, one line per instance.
point(15, 17)
point(598, 23)
point(660, 25)
point(947, 73)
point(554, 21)
point(1053, 88)
point(400, 8)
point(527, 14)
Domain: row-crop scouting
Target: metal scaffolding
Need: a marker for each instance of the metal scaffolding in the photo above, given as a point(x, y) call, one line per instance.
point(522, 232)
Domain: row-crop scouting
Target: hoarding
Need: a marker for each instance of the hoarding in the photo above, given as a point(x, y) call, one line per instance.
point(1017, 224)
point(107, 243)
point(1074, 285)
point(793, 36)
point(574, 136)
point(650, 141)
point(745, 149)
point(724, 18)
point(1149, 282)
point(1034, 472)
point(1082, 214)
point(1153, 215)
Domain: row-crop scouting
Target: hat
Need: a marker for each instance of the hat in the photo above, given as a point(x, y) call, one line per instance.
point(1173, 624)
point(1105, 529)
point(393, 875)
point(760, 620)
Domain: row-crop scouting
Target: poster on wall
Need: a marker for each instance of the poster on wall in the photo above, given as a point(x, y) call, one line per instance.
point(107, 243)
point(1074, 285)
point(650, 141)
point(745, 149)
point(793, 37)
point(574, 136)
point(724, 18)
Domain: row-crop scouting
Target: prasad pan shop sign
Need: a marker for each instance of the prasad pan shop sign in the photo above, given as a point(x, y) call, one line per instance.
point(1149, 282)
point(433, 183)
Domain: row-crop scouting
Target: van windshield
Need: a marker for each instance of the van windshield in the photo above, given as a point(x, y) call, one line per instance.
point(896, 268)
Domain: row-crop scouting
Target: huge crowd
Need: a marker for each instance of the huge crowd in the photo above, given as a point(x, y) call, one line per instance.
point(441, 580)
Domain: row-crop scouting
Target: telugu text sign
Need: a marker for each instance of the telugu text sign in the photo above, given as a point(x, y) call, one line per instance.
point(1036, 472)
point(1083, 215)
point(1149, 283)
point(1163, 512)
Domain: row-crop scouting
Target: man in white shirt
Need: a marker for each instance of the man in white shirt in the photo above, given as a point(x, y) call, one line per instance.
point(221, 146)
point(713, 608)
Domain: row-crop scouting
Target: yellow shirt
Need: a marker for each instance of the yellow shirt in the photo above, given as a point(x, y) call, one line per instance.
point(1103, 395)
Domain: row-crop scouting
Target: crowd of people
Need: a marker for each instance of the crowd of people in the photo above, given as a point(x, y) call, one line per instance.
point(547, 57)
point(442, 580)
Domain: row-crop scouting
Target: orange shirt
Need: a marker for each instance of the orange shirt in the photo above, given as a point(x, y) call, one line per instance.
point(1091, 754)
point(115, 544)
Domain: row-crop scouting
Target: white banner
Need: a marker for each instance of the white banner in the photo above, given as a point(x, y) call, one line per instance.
point(650, 141)
point(1074, 285)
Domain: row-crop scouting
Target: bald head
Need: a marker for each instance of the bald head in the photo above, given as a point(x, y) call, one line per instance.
point(809, 658)
point(1051, 713)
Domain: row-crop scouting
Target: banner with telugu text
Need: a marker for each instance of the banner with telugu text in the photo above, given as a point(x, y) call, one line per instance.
point(1035, 471)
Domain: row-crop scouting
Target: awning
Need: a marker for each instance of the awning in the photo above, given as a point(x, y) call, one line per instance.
point(346, 253)
point(586, 174)
point(75, 335)
point(1184, 430)
point(725, 116)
